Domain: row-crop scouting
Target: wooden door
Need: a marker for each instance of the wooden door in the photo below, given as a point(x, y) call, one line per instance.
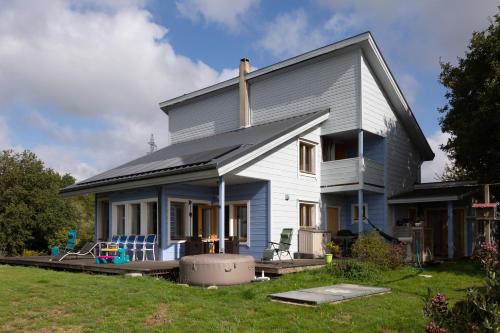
point(437, 220)
point(333, 220)
point(459, 232)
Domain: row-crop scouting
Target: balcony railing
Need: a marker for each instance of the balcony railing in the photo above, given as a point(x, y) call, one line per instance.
point(345, 172)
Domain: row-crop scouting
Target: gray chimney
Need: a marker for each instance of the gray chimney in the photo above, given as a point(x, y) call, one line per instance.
point(245, 120)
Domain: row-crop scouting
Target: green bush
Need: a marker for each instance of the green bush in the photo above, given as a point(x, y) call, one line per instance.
point(372, 248)
point(479, 311)
point(354, 270)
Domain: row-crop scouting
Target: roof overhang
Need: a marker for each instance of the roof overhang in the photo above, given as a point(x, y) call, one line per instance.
point(214, 168)
point(377, 62)
point(155, 180)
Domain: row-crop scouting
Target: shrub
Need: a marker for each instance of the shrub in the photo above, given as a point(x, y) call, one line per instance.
point(354, 270)
point(334, 249)
point(33, 253)
point(374, 249)
point(480, 310)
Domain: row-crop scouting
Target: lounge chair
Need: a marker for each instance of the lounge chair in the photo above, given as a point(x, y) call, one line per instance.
point(149, 245)
point(85, 250)
point(283, 247)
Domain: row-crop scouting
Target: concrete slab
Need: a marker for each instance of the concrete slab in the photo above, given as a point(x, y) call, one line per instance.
point(328, 294)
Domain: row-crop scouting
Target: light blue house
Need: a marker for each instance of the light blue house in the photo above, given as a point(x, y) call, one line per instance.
point(314, 141)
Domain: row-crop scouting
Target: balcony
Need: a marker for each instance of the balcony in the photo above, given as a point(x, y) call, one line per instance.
point(341, 175)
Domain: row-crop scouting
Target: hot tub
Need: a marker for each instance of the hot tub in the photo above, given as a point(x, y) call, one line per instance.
point(216, 269)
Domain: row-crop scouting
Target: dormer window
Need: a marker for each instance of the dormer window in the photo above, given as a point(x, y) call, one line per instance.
point(307, 157)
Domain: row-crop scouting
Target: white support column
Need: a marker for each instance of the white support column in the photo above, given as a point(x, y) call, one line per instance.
point(361, 171)
point(222, 204)
point(143, 226)
point(450, 230)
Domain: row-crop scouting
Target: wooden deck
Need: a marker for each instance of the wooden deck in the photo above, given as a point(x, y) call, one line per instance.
point(152, 268)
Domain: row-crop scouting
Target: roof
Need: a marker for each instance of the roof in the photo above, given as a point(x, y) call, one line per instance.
point(206, 153)
point(371, 52)
point(436, 192)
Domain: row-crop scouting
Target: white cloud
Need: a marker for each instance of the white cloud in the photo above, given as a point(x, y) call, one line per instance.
point(419, 31)
point(228, 13)
point(110, 66)
point(290, 34)
point(339, 23)
point(433, 170)
point(410, 87)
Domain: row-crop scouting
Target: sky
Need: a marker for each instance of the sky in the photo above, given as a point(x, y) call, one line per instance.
point(80, 81)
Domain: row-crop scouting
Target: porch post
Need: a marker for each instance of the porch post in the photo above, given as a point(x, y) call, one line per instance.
point(222, 204)
point(361, 168)
point(450, 230)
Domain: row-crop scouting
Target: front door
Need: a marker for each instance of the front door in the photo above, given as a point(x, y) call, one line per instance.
point(437, 221)
point(333, 220)
point(459, 232)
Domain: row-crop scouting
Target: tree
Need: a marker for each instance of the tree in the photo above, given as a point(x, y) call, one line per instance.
point(32, 214)
point(472, 112)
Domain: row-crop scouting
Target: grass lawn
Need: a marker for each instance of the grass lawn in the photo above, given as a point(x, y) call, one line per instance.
point(40, 300)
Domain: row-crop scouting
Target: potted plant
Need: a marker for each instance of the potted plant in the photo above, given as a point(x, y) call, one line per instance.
point(334, 252)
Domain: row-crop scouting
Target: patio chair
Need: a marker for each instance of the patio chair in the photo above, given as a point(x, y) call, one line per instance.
point(140, 242)
point(149, 245)
point(283, 247)
point(87, 249)
point(130, 246)
point(122, 241)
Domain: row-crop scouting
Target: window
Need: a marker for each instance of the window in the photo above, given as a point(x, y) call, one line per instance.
point(152, 225)
point(307, 157)
point(307, 212)
point(177, 220)
point(120, 219)
point(136, 218)
point(241, 222)
point(355, 213)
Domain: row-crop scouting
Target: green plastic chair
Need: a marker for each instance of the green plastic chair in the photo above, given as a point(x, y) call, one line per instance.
point(283, 247)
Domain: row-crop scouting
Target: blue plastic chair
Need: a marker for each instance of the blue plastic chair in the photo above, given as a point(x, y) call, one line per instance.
point(140, 242)
point(150, 246)
point(131, 246)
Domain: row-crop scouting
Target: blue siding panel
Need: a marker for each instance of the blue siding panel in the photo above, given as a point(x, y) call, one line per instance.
point(374, 148)
point(258, 195)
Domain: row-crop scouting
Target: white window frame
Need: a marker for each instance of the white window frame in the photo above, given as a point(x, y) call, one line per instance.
point(231, 205)
point(314, 226)
point(354, 207)
point(314, 158)
point(128, 216)
point(187, 219)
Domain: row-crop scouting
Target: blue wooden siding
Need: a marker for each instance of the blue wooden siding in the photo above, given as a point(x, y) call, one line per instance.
point(376, 210)
point(258, 195)
point(374, 147)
